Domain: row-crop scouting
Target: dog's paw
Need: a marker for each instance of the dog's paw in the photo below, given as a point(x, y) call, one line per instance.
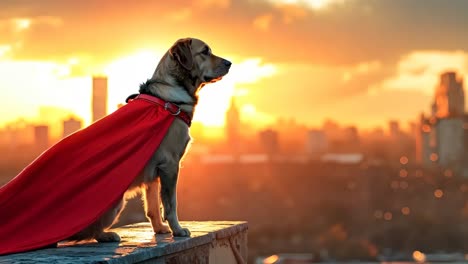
point(182, 232)
point(108, 237)
point(162, 229)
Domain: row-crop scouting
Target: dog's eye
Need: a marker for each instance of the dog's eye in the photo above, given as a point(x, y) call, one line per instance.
point(206, 51)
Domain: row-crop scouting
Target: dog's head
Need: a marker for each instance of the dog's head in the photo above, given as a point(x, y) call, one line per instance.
point(196, 57)
point(192, 60)
point(188, 64)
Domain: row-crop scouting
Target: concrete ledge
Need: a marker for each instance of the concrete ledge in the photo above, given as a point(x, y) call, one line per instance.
point(211, 242)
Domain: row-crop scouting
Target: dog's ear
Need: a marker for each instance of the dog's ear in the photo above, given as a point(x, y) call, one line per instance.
point(182, 52)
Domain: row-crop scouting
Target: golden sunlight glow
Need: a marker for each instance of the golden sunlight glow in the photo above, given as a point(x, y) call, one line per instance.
point(48, 84)
point(4, 49)
point(22, 23)
point(215, 98)
point(313, 4)
point(73, 61)
point(127, 73)
point(317, 4)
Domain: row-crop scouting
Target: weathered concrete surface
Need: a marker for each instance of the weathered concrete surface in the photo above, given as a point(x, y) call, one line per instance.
point(210, 243)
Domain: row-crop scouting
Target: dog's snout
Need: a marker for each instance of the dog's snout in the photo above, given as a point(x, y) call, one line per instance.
point(227, 63)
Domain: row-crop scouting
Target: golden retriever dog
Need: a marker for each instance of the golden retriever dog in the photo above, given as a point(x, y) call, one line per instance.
point(185, 68)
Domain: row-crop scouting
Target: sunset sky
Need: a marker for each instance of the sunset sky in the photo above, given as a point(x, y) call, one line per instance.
point(357, 62)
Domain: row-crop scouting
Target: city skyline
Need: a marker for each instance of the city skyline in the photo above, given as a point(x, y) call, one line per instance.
point(62, 115)
point(365, 73)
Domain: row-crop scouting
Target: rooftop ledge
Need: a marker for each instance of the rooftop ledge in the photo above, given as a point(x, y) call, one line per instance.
point(211, 242)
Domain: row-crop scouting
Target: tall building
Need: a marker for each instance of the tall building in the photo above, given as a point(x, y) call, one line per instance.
point(269, 141)
point(70, 126)
point(41, 137)
point(99, 100)
point(425, 141)
point(442, 135)
point(233, 125)
point(394, 128)
point(317, 142)
point(450, 142)
point(449, 96)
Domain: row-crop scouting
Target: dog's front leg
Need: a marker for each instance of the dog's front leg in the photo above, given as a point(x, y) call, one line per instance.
point(168, 176)
point(153, 207)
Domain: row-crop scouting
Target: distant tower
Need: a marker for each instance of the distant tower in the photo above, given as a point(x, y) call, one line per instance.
point(351, 134)
point(269, 141)
point(99, 98)
point(41, 137)
point(449, 96)
point(443, 136)
point(317, 142)
point(426, 141)
point(394, 128)
point(232, 125)
point(71, 126)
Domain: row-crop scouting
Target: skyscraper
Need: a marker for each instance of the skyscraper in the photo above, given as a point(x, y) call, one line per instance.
point(443, 134)
point(394, 129)
point(269, 141)
point(99, 100)
point(449, 96)
point(232, 125)
point(317, 142)
point(41, 137)
point(70, 126)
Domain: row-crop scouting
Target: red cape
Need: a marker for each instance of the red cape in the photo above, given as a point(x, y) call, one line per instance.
point(74, 182)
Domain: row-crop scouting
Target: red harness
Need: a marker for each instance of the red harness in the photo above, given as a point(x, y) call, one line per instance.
point(168, 106)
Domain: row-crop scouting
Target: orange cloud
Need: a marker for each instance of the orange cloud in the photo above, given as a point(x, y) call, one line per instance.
point(22, 23)
point(309, 4)
point(180, 15)
point(420, 70)
point(263, 22)
point(362, 68)
point(213, 3)
point(292, 12)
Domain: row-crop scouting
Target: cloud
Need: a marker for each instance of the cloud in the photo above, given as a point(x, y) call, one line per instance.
point(334, 32)
point(292, 12)
point(213, 3)
point(310, 4)
point(180, 15)
point(251, 70)
point(263, 22)
point(18, 24)
point(361, 69)
point(420, 70)
point(14, 31)
point(52, 21)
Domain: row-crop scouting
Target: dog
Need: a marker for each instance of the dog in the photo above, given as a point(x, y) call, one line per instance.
point(183, 70)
